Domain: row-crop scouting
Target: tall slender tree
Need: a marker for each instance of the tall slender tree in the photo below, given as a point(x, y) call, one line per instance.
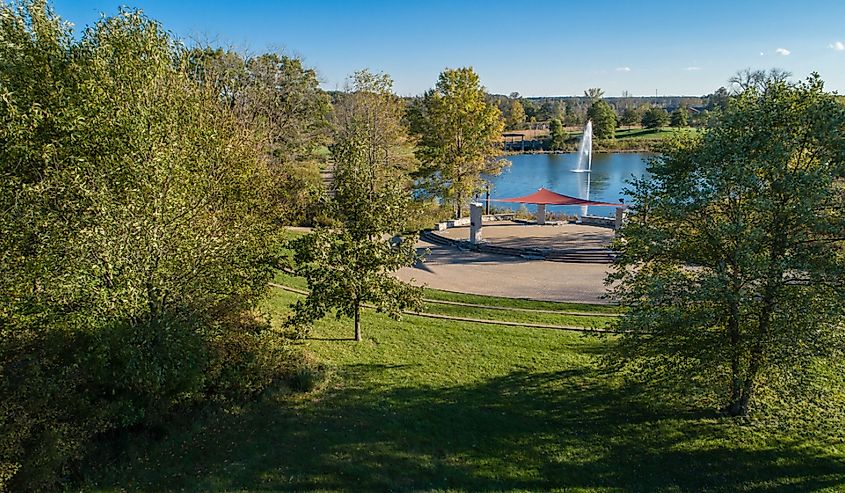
point(350, 264)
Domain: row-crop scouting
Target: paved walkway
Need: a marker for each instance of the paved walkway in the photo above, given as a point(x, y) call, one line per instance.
point(516, 235)
point(451, 269)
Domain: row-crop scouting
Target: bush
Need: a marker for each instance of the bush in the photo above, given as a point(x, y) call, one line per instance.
point(136, 238)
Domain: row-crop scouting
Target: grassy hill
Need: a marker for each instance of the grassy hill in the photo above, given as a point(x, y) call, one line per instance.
point(438, 405)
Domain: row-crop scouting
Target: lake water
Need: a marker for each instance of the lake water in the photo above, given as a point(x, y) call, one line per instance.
point(528, 172)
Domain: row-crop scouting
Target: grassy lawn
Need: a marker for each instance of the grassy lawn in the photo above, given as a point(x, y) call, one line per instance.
point(435, 405)
point(652, 133)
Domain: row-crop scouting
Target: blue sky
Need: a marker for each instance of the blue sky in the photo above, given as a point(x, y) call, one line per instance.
point(535, 48)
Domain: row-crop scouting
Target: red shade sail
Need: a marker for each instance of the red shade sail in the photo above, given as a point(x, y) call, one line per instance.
point(547, 197)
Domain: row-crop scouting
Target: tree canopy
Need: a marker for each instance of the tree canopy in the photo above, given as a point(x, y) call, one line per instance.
point(136, 238)
point(733, 260)
point(459, 136)
point(680, 117)
point(557, 135)
point(281, 100)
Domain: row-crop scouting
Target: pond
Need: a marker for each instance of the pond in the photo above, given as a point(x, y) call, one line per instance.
point(528, 172)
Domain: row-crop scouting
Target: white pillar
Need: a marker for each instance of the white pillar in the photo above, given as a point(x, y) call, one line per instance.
point(475, 211)
point(618, 223)
point(541, 213)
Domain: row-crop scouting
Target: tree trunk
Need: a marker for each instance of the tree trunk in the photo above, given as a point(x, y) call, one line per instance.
point(736, 350)
point(357, 321)
point(458, 209)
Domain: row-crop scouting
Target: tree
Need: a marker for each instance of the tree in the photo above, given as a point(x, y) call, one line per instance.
point(631, 116)
point(594, 94)
point(351, 263)
point(136, 238)
point(732, 262)
point(516, 116)
point(604, 119)
point(655, 117)
point(557, 135)
point(718, 100)
point(459, 136)
point(281, 100)
point(680, 117)
point(757, 79)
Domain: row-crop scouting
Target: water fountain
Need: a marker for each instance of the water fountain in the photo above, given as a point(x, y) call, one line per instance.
point(585, 164)
point(585, 150)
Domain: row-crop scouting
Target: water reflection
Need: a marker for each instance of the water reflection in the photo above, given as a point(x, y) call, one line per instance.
point(529, 172)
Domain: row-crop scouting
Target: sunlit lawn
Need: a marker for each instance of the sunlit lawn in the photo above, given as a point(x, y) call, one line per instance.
point(431, 405)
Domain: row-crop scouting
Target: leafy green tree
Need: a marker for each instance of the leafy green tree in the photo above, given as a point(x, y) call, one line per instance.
point(655, 117)
point(282, 101)
point(680, 117)
point(136, 238)
point(516, 116)
point(604, 119)
point(718, 101)
point(460, 136)
point(557, 135)
point(351, 263)
point(732, 261)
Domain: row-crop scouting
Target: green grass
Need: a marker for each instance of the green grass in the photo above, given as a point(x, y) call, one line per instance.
point(433, 405)
point(652, 134)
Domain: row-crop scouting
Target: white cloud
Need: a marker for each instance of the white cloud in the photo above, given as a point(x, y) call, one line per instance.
point(782, 51)
point(623, 69)
point(837, 46)
point(692, 69)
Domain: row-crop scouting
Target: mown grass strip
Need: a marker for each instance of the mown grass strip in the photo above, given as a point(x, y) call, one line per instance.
point(519, 309)
point(473, 319)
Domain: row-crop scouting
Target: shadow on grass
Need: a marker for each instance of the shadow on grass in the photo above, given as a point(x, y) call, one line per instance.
point(523, 431)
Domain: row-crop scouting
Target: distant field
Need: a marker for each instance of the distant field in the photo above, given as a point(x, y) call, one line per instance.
point(647, 133)
point(627, 133)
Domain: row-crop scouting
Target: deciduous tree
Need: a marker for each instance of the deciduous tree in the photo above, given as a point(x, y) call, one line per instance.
point(516, 115)
point(351, 263)
point(136, 234)
point(280, 98)
point(460, 136)
point(732, 262)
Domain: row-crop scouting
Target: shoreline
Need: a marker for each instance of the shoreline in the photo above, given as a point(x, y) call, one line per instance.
point(603, 151)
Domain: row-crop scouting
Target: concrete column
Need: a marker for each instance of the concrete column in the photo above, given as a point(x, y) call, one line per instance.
point(619, 214)
point(541, 213)
point(475, 211)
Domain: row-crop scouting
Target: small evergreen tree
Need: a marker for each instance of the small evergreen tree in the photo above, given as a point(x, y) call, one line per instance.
point(655, 117)
point(604, 119)
point(680, 117)
point(557, 135)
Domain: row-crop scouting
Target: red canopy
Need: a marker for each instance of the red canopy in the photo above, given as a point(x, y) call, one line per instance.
point(547, 197)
